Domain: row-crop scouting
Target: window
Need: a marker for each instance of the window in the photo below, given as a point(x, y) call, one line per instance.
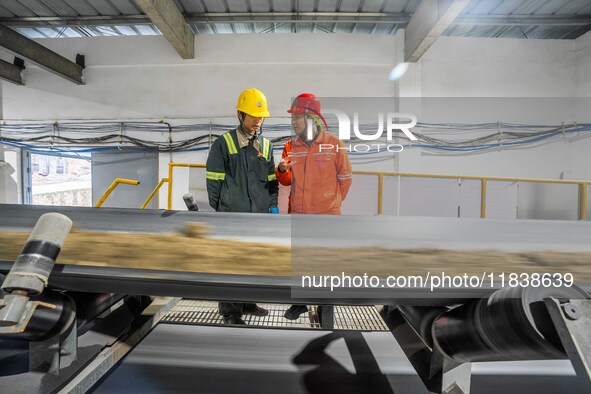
point(61, 181)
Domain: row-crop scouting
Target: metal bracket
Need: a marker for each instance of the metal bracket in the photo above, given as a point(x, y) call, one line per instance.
point(44, 356)
point(28, 312)
point(86, 378)
point(439, 373)
point(69, 346)
point(450, 376)
point(20, 63)
point(55, 353)
point(327, 317)
point(572, 319)
point(81, 60)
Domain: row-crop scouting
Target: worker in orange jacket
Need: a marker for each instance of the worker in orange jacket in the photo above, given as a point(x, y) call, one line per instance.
point(316, 166)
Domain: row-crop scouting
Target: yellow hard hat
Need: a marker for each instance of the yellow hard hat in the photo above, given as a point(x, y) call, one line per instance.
point(254, 103)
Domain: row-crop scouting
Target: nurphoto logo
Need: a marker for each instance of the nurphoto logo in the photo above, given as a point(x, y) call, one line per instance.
point(392, 123)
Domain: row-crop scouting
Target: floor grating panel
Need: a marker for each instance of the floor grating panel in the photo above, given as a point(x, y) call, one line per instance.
point(365, 318)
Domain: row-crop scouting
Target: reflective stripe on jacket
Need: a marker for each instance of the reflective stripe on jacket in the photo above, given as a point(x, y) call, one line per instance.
point(321, 176)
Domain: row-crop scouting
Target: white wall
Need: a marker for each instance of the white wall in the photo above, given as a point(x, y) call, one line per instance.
point(143, 77)
point(583, 65)
point(483, 67)
point(505, 68)
point(535, 81)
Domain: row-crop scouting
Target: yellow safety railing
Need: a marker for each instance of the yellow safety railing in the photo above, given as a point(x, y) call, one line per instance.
point(169, 181)
point(582, 214)
point(115, 183)
point(170, 171)
point(151, 196)
point(483, 180)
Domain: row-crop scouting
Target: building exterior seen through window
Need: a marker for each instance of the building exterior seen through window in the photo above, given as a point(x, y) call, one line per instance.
point(61, 181)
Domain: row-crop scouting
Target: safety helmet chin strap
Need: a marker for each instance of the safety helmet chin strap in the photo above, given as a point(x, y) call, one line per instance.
point(241, 120)
point(316, 122)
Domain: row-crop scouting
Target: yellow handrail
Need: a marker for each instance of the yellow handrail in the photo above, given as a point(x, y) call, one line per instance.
point(483, 179)
point(116, 182)
point(582, 201)
point(380, 192)
point(483, 198)
point(170, 168)
point(151, 196)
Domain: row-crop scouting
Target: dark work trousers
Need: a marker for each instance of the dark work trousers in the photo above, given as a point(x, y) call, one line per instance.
point(235, 308)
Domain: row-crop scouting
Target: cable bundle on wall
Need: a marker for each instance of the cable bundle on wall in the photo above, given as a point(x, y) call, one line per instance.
point(74, 138)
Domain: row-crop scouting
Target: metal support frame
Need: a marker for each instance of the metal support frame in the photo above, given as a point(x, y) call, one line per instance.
point(428, 23)
point(84, 354)
point(10, 73)
point(41, 56)
point(55, 353)
point(252, 18)
point(45, 356)
point(572, 319)
point(169, 20)
point(439, 373)
point(326, 317)
point(451, 377)
point(112, 354)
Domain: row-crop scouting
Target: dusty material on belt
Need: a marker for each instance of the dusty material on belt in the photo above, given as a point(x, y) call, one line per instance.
point(385, 262)
point(192, 250)
point(187, 251)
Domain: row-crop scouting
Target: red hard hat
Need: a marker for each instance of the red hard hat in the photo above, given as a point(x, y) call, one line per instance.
point(307, 103)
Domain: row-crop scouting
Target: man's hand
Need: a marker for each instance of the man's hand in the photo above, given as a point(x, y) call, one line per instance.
point(285, 164)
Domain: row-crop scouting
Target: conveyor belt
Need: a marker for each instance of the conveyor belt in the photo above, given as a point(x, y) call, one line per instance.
point(328, 230)
point(260, 227)
point(384, 231)
point(206, 359)
point(226, 287)
point(227, 359)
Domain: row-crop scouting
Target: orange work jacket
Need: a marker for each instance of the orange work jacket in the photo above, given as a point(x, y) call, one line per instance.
point(321, 176)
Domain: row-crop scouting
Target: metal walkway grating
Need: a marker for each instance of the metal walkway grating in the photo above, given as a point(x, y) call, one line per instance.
point(364, 318)
point(346, 317)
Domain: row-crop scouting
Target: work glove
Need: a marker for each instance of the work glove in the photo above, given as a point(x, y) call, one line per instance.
point(273, 210)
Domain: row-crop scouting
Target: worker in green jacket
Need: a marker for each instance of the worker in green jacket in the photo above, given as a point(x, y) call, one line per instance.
point(240, 169)
point(240, 176)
